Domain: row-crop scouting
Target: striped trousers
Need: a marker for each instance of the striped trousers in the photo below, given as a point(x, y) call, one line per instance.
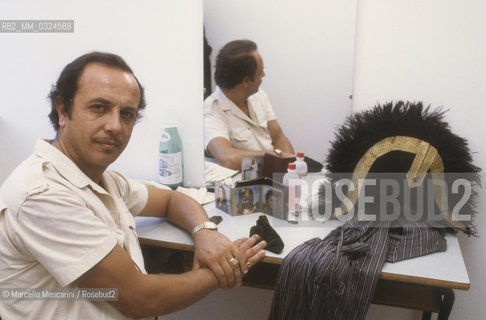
point(335, 278)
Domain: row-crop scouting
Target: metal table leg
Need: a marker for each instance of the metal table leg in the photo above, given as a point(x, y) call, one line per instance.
point(447, 303)
point(426, 315)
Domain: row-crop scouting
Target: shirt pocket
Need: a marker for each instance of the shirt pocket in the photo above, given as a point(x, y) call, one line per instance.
point(241, 134)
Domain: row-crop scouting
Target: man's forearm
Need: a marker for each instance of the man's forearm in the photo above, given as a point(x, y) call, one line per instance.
point(283, 143)
point(233, 158)
point(141, 295)
point(171, 293)
point(185, 211)
point(229, 156)
point(180, 209)
point(162, 294)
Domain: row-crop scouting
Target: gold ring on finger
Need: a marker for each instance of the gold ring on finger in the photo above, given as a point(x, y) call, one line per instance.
point(234, 262)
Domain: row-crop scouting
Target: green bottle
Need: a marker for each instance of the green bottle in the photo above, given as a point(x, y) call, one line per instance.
point(170, 158)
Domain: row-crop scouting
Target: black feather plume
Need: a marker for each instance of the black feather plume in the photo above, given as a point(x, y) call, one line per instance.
point(364, 129)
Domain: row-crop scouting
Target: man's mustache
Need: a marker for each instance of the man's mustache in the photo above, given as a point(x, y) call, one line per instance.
point(108, 140)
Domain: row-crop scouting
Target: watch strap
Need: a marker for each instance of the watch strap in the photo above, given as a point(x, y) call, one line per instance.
point(205, 225)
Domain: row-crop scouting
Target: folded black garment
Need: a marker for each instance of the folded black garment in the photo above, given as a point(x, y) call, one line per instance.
point(267, 233)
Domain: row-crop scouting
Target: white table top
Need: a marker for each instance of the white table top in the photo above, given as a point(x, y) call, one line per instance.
point(442, 269)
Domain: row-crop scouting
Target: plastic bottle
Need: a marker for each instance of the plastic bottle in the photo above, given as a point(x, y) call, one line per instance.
point(291, 174)
point(170, 157)
point(292, 181)
point(300, 165)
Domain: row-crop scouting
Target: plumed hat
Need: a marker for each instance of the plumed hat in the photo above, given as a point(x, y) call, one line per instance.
point(405, 137)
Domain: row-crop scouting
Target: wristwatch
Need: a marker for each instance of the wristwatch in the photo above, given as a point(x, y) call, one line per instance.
point(206, 225)
point(277, 151)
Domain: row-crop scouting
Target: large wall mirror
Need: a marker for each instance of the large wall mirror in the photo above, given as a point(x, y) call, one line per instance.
point(308, 51)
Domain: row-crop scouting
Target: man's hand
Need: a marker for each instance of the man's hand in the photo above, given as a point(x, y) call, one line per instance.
point(252, 252)
point(212, 249)
point(215, 251)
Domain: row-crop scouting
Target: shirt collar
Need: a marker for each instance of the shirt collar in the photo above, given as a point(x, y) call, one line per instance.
point(228, 105)
point(65, 166)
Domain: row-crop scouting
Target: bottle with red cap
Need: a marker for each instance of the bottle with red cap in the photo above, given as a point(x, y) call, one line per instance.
point(300, 165)
point(291, 174)
point(292, 181)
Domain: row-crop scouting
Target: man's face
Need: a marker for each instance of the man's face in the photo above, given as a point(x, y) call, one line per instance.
point(103, 114)
point(259, 74)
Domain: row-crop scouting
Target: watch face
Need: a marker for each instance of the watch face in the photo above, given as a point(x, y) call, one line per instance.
point(210, 225)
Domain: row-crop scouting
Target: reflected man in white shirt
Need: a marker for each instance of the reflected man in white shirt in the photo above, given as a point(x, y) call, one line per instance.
point(239, 120)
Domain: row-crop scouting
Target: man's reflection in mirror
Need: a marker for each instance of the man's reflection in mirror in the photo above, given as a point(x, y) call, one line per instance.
point(239, 120)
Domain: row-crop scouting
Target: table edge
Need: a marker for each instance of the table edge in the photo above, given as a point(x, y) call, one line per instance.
point(276, 260)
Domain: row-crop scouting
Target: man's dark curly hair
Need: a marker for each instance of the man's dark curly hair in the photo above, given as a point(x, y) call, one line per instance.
point(67, 84)
point(235, 62)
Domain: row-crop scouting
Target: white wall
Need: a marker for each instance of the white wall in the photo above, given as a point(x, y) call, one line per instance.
point(432, 51)
point(307, 48)
point(160, 40)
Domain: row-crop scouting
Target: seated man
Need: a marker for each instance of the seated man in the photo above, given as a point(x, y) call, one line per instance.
point(67, 222)
point(238, 118)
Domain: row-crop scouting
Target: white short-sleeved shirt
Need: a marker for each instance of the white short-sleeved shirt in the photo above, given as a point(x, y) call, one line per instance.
point(56, 224)
point(222, 118)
